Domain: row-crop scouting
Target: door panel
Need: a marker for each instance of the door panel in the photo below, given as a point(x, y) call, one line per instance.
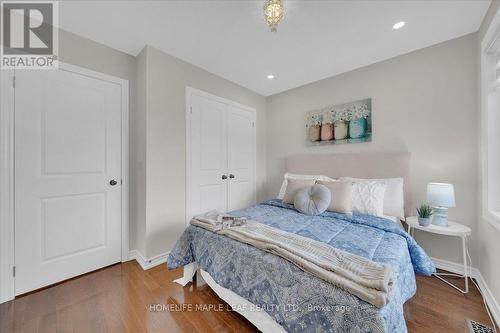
point(241, 158)
point(72, 224)
point(68, 148)
point(82, 123)
point(208, 155)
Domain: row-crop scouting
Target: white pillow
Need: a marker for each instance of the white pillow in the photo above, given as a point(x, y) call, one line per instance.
point(394, 219)
point(288, 175)
point(341, 196)
point(295, 185)
point(394, 203)
point(368, 197)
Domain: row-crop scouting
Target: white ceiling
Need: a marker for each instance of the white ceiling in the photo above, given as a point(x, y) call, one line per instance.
point(316, 40)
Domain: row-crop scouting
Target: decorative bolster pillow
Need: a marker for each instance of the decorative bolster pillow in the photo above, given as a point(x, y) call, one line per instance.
point(312, 200)
point(341, 196)
point(293, 186)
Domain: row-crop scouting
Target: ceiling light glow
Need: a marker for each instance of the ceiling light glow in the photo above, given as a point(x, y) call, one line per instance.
point(270, 76)
point(398, 25)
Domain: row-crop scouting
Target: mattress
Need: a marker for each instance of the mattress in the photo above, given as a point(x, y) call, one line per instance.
point(296, 300)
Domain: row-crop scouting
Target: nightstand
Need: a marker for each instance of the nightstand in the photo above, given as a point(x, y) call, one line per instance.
point(453, 229)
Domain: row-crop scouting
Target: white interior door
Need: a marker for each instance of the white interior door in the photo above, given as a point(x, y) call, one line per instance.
point(67, 150)
point(208, 155)
point(241, 158)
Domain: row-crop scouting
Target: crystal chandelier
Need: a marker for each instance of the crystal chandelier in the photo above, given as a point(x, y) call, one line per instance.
point(273, 13)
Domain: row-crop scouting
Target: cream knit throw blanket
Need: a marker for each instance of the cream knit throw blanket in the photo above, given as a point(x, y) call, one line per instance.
point(370, 281)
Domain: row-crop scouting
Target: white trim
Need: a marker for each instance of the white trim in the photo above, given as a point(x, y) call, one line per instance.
point(7, 237)
point(454, 267)
point(493, 33)
point(187, 198)
point(489, 39)
point(125, 171)
point(491, 36)
point(475, 274)
point(148, 263)
point(7, 286)
point(493, 219)
point(489, 298)
point(189, 92)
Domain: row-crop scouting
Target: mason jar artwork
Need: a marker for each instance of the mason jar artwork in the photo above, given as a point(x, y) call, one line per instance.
point(339, 124)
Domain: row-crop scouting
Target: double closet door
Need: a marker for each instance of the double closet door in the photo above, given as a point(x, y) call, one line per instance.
point(221, 154)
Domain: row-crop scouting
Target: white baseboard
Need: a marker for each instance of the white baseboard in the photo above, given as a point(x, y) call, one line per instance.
point(476, 275)
point(490, 299)
point(148, 263)
point(454, 267)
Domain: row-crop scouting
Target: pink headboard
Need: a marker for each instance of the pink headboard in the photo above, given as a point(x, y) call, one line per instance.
point(357, 165)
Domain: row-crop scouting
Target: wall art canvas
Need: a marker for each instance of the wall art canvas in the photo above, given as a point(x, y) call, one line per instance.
point(339, 124)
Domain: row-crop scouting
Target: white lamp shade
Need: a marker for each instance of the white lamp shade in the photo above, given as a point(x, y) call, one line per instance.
point(441, 195)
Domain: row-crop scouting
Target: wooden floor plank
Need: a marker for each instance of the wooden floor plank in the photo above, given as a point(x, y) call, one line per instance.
point(119, 299)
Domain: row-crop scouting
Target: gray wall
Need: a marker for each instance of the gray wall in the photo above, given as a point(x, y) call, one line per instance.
point(166, 81)
point(138, 196)
point(488, 248)
point(423, 102)
point(157, 84)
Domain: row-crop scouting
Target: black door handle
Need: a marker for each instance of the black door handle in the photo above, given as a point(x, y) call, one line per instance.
point(231, 176)
point(224, 177)
point(113, 182)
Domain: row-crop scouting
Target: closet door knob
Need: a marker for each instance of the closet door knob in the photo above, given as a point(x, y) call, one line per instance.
point(231, 176)
point(113, 182)
point(224, 177)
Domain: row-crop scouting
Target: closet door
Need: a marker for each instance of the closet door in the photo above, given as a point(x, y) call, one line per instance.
point(241, 158)
point(208, 189)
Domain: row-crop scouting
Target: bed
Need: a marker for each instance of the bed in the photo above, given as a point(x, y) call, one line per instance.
point(275, 294)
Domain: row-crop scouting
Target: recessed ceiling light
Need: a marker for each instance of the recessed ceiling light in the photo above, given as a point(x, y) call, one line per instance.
point(398, 25)
point(270, 76)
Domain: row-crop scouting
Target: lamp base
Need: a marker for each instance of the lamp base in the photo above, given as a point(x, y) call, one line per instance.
point(440, 216)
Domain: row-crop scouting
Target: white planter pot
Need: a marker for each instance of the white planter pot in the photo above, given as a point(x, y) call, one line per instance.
point(424, 222)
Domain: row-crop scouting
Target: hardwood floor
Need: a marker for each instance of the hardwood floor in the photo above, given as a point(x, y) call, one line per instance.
point(124, 298)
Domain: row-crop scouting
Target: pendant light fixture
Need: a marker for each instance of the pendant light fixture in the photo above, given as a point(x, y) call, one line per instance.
point(273, 13)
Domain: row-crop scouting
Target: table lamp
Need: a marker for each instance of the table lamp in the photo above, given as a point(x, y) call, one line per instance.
point(440, 196)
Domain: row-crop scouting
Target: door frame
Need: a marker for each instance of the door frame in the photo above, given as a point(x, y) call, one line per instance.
point(189, 92)
point(7, 170)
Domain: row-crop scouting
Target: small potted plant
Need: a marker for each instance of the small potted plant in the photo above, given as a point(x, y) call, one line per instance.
point(424, 215)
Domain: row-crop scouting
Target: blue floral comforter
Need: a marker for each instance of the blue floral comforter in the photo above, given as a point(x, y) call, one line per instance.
point(297, 300)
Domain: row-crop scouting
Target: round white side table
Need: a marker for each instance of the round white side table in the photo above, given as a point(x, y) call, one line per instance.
point(454, 229)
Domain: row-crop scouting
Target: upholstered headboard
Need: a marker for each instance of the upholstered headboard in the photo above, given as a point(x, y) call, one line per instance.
point(357, 165)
